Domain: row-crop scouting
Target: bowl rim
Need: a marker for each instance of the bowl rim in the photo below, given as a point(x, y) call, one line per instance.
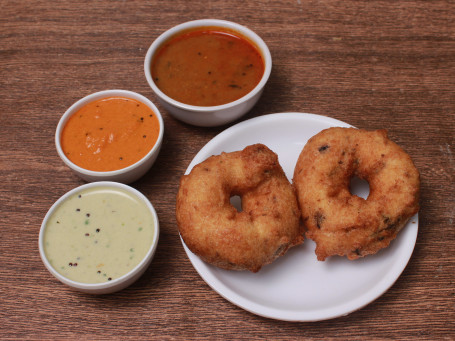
point(96, 96)
point(242, 30)
point(117, 281)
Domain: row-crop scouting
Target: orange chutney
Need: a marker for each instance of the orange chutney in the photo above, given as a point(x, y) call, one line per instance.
point(207, 66)
point(110, 134)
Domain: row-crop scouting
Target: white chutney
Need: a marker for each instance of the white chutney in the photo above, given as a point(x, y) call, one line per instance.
point(98, 234)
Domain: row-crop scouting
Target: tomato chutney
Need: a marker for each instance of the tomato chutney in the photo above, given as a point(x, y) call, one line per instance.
point(110, 134)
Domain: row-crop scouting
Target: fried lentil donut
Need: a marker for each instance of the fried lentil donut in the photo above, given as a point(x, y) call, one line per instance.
point(344, 224)
point(213, 229)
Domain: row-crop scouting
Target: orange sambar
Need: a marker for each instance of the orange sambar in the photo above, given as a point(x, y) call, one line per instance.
point(110, 134)
point(207, 66)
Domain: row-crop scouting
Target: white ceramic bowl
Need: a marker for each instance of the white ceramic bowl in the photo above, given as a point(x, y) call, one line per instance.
point(115, 284)
point(211, 115)
point(125, 175)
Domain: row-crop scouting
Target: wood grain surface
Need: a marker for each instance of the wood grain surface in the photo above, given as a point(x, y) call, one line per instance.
point(373, 64)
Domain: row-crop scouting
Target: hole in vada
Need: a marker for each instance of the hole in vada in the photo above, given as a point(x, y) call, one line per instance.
point(359, 187)
point(236, 201)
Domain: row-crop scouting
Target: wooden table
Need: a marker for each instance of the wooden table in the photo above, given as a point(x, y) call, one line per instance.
point(373, 64)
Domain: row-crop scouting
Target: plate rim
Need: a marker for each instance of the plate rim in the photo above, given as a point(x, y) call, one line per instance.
point(252, 121)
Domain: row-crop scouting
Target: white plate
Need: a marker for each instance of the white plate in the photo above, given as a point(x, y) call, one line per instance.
point(297, 287)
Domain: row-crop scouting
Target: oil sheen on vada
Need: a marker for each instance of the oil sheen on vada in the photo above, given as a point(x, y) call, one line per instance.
point(344, 224)
point(265, 228)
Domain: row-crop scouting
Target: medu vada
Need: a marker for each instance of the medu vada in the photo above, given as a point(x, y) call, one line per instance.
point(342, 223)
point(268, 223)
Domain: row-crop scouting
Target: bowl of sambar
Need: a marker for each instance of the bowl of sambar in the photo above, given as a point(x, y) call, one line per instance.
point(208, 72)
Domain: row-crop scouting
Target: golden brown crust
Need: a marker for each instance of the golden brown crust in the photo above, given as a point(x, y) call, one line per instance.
point(344, 224)
point(213, 229)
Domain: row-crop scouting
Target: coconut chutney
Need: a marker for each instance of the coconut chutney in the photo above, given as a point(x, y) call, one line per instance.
point(98, 234)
